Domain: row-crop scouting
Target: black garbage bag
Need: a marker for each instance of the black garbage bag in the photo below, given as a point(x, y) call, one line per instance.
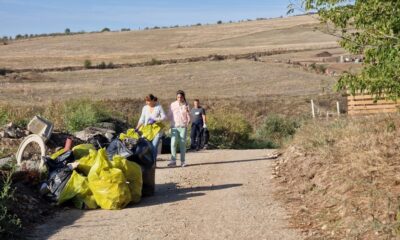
point(59, 174)
point(55, 183)
point(60, 162)
point(205, 137)
point(166, 145)
point(99, 141)
point(117, 147)
point(143, 154)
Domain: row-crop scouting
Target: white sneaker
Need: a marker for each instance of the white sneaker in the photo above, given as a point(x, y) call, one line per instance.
point(171, 164)
point(183, 164)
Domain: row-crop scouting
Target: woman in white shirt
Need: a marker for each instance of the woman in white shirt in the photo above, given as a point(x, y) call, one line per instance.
point(152, 112)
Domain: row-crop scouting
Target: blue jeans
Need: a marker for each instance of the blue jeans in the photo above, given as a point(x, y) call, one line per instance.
point(155, 143)
point(178, 135)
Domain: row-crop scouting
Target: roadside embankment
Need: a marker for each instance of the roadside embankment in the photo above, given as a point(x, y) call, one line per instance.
point(340, 178)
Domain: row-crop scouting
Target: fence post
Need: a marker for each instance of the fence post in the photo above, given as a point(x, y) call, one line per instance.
point(338, 108)
point(312, 108)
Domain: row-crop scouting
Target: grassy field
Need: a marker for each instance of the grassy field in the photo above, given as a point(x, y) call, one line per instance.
point(224, 79)
point(139, 46)
point(256, 87)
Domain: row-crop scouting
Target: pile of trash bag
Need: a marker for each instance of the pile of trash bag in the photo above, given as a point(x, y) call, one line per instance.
point(109, 176)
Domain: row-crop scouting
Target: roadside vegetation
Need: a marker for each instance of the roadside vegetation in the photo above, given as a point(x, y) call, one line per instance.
point(342, 178)
point(10, 224)
point(229, 126)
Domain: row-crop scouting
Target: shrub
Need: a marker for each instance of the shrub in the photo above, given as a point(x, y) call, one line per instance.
point(10, 224)
point(102, 65)
point(3, 71)
point(110, 65)
point(67, 31)
point(87, 64)
point(277, 129)
point(155, 62)
point(3, 117)
point(79, 114)
point(219, 22)
point(322, 68)
point(229, 130)
point(105, 30)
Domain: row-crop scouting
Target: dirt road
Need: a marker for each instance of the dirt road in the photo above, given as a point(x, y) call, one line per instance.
point(222, 194)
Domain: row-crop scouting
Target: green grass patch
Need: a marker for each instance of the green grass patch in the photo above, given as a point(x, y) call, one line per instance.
point(79, 114)
point(276, 130)
point(229, 130)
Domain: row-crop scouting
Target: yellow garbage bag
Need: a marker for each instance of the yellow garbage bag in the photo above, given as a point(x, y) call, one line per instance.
point(82, 150)
point(77, 188)
point(57, 154)
point(86, 162)
point(133, 174)
point(149, 132)
point(129, 134)
point(108, 184)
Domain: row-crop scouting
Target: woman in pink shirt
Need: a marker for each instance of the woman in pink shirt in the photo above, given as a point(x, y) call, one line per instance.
point(179, 115)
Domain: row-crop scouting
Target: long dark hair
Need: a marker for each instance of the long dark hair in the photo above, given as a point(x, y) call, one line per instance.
point(182, 93)
point(151, 97)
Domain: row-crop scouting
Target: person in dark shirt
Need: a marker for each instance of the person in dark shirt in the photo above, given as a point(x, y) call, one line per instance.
point(198, 117)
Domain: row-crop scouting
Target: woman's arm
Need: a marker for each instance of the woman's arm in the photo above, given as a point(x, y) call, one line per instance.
point(203, 115)
point(188, 113)
point(162, 114)
point(142, 118)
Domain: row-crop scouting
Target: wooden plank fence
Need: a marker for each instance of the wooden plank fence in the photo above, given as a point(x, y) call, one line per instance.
point(362, 104)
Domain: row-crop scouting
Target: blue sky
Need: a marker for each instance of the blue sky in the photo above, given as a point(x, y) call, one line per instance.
point(46, 16)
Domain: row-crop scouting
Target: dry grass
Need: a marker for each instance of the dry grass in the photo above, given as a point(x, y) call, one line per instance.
point(341, 178)
point(140, 46)
point(242, 78)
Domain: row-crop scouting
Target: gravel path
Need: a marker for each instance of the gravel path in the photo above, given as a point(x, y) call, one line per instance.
point(222, 194)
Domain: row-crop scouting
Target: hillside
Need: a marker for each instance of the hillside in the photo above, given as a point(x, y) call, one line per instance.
point(237, 76)
point(137, 46)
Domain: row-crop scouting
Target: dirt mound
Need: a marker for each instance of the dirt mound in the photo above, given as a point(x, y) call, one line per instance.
point(340, 179)
point(324, 54)
point(28, 77)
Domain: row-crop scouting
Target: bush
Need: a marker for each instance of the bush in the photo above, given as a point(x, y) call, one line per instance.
point(79, 114)
point(110, 65)
point(219, 22)
point(102, 65)
point(155, 62)
point(10, 224)
point(87, 64)
point(105, 30)
point(3, 71)
point(229, 130)
point(3, 117)
point(277, 129)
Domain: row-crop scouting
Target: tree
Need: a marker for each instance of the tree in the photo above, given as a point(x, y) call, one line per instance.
point(67, 31)
point(219, 22)
point(368, 27)
point(87, 64)
point(105, 30)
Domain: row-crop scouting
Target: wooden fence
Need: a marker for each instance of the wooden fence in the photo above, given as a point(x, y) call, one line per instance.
point(361, 104)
